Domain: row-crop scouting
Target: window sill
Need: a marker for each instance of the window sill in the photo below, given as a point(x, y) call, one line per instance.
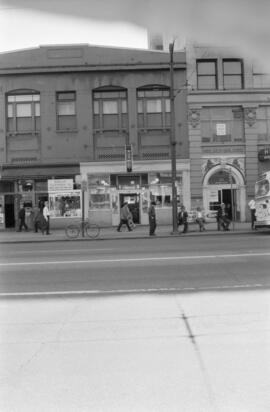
point(23, 133)
point(67, 131)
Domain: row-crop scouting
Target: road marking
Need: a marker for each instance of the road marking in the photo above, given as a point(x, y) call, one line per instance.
point(127, 260)
point(29, 252)
point(131, 291)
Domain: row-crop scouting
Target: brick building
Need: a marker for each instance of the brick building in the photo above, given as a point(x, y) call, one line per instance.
point(74, 113)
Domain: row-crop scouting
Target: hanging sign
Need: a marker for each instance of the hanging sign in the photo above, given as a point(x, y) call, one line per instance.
point(264, 154)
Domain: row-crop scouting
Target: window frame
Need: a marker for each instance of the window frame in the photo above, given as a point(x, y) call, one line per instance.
point(228, 75)
point(117, 95)
point(14, 100)
point(145, 95)
point(215, 75)
point(66, 100)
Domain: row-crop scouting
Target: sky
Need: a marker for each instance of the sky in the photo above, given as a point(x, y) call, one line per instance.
point(243, 24)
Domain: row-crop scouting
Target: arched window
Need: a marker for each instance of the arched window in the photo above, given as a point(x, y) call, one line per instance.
point(110, 108)
point(153, 107)
point(23, 111)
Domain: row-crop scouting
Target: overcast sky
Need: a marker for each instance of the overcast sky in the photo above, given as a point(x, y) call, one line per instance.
point(241, 23)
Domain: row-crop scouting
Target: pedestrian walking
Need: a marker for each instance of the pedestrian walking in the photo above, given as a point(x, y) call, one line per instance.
point(38, 220)
point(183, 219)
point(124, 217)
point(200, 219)
point(152, 218)
point(252, 207)
point(21, 216)
point(46, 215)
point(222, 217)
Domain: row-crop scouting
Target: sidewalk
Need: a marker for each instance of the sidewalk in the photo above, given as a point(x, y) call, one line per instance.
point(11, 236)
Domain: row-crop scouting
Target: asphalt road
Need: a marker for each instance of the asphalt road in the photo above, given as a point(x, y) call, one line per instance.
point(137, 264)
point(138, 325)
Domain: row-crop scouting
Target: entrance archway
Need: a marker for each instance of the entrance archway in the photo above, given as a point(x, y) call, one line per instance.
point(225, 184)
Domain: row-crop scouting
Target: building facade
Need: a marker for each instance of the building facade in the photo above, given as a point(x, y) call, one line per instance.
point(229, 127)
point(91, 118)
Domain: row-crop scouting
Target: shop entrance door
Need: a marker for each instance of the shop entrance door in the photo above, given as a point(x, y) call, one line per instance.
point(228, 196)
point(133, 200)
point(9, 211)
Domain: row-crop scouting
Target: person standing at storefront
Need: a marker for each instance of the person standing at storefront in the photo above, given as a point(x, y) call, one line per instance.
point(183, 219)
point(252, 207)
point(46, 214)
point(152, 219)
point(21, 217)
point(125, 215)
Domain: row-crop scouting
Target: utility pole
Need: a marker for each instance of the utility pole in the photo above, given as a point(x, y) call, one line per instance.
point(173, 144)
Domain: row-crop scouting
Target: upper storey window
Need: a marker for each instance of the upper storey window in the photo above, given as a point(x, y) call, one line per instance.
point(23, 112)
point(153, 107)
point(207, 74)
point(233, 74)
point(66, 110)
point(110, 109)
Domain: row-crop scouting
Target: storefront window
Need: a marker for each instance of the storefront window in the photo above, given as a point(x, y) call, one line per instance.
point(65, 204)
point(99, 198)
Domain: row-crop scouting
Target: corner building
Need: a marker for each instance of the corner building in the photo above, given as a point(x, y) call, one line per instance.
point(229, 127)
point(92, 116)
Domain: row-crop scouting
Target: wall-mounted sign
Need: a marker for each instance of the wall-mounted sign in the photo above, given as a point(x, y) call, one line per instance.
point(264, 154)
point(221, 129)
point(128, 158)
point(59, 185)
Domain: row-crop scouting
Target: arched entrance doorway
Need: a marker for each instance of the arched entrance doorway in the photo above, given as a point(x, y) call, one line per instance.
point(225, 184)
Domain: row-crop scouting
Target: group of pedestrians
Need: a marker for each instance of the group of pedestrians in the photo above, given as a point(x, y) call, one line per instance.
point(40, 218)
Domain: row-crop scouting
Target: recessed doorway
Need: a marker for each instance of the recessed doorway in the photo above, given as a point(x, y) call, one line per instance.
point(133, 200)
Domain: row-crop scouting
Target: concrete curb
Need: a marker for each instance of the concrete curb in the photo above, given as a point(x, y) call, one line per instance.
point(128, 237)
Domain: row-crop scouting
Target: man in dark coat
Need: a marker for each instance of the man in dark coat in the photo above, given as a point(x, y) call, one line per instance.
point(152, 219)
point(21, 216)
point(183, 219)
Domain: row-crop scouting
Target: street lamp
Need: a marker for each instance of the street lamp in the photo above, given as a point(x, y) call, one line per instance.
point(173, 144)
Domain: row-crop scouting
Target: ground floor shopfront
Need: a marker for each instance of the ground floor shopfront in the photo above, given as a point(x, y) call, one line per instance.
point(223, 180)
point(28, 186)
point(108, 186)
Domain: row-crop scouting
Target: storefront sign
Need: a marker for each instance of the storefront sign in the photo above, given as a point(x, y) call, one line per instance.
point(213, 195)
point(129, 158)
point(264, 154)
point(59, 185)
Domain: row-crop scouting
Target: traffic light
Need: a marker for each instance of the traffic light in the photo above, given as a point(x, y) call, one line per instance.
point(129, 158)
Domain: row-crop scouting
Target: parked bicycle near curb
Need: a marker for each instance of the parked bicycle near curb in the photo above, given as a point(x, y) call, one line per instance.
point(73, 230)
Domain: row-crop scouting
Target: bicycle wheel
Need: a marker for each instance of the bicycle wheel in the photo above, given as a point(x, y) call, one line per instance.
point(92, 230)
point(72, 231)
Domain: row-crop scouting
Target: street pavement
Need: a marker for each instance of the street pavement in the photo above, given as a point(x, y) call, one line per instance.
point(140, 231)
point(167, 325)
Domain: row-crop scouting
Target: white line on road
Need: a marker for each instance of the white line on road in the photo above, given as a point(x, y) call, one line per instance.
point(144, 259)
point(123, 291)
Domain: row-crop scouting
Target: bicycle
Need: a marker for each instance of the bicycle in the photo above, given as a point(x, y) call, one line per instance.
point(91, 229)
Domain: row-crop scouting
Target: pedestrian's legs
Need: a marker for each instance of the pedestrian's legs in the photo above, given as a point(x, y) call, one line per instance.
point(152, 227)
point(253, 217)
point(185, 227)
point(48, 226)
point(127, 224)
point(120, 225)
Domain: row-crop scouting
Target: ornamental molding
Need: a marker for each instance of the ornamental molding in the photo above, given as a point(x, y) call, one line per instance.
point(236, 162)
point(250, 116)
point(194, 117)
